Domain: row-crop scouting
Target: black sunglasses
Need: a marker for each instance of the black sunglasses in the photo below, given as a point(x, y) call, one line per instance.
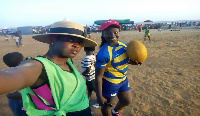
point(70, 39)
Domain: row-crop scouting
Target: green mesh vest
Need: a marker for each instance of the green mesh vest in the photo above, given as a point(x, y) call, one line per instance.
point(69, 92)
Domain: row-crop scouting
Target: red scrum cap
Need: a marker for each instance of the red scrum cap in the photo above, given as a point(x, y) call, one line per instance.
point(109, 22)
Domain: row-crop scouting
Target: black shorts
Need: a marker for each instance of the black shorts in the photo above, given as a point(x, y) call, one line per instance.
point(85, 112)
point(90, 86)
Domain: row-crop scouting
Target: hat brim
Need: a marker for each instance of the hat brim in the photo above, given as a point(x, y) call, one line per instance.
point(45, 39)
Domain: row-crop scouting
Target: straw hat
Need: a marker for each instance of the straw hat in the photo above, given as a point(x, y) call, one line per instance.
point(66, 28)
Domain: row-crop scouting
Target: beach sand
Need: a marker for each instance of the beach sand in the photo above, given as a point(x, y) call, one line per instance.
point(166, 84)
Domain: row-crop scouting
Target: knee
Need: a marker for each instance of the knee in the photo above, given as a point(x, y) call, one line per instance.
point(126, 101)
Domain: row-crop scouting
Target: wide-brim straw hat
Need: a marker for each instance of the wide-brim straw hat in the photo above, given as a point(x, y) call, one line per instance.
point(66, 28)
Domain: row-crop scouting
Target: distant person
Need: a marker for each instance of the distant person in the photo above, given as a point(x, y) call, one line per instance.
point(16, 39)
point(19, 34)
point(45, 30)
point(111, 79)
point(88, 69)
point(146, 34)
point(180, 25)
point(159, 27)
point(140, 27)
point(170, 26)
point(89, 35)
point(152, 26)
point(51, 85)
point(14, 99)
point(6, 39)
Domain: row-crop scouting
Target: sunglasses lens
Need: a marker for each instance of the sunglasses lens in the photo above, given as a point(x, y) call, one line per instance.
point(71, 39)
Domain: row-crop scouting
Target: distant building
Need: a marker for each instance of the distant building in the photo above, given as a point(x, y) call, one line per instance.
point(27, 30)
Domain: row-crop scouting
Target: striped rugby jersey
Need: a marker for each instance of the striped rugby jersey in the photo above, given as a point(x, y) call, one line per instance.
point(114, 60)
point(89, 61)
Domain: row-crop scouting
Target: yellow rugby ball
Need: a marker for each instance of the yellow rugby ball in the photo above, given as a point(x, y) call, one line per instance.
point(136, 51)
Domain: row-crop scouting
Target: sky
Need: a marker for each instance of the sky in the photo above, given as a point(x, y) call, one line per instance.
point(17, 13)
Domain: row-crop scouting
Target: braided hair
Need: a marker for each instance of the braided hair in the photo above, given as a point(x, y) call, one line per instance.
point(103, 41)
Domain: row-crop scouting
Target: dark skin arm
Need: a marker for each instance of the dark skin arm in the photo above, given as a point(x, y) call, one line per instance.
point(22, 76)
point(98, 85)
point(86, 71)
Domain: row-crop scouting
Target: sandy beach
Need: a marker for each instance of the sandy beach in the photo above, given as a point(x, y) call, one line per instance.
point(166, 84)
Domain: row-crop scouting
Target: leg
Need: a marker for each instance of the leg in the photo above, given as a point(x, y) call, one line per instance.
point(107, 110)
point(20, 42)
point(93, 85)
point(109, 92)
point(145, 38)
point(149, 38)
point(89, 88)
point(125, 99)
point(17, 43)
point(89, 94)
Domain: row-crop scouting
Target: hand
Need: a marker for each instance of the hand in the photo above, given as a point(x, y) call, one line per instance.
point(101, 100)
point(108, 104)
point(86, 71)
point(134, 62)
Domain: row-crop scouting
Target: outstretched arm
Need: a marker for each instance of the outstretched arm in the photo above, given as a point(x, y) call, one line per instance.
point(22, 76)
